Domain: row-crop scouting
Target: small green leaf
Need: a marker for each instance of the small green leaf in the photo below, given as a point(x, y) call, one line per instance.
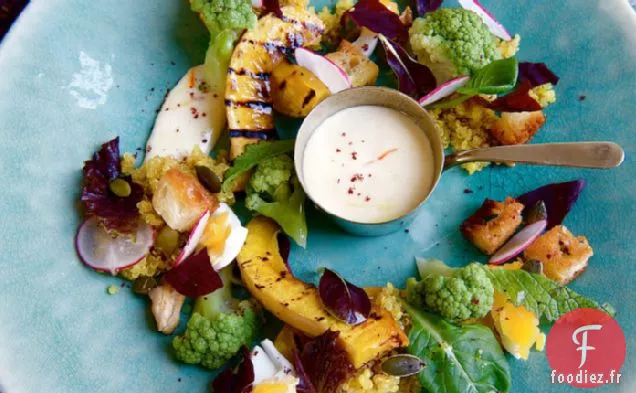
point(498, 77)
point(254, 154)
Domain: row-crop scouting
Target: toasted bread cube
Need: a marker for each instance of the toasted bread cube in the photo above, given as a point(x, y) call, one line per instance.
point(564, 256)
point(493, 224)
point(361, 70)
point(180, 200)
point(514, 128)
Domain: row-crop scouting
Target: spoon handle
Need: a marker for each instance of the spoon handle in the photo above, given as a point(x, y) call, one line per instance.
point(573, 154)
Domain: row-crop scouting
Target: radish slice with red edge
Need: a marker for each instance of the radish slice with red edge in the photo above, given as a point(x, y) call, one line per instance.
point(334, 77)
point(367, 41)
point(443, 90)
point(194, 238)
point(101, 251)
point(519, 242)
point(495, 27)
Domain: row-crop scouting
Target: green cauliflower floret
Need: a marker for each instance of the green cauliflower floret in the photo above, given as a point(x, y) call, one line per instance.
point(221, 15)
point(453, 42)
point(456, 295)
point(274, 191)
point(219, 326)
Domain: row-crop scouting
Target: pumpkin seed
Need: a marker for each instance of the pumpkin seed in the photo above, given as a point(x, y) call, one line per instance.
point(402, 365)
point(120, 187)
point(533, 266)
point(537, 212)
point(143, 285)
point(208, 179)
point(167, 240)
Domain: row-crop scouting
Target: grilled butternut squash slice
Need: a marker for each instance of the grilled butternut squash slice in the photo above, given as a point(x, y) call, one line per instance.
point(298, 304)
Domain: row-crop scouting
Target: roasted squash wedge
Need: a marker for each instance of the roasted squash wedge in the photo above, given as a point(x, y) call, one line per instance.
point(298, 304)
point(296, 90)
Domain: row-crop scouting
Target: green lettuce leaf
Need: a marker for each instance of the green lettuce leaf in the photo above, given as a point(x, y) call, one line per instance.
point(254, 154)
point(544, 297)
point(459, 358)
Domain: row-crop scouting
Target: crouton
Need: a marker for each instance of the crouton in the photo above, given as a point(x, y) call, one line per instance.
point(514, 128)
point(563, 255)
point(493, 224)
point(361, 70)
point(180, 200)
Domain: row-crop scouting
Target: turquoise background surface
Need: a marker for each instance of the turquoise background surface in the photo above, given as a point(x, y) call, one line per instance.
point(75, 74)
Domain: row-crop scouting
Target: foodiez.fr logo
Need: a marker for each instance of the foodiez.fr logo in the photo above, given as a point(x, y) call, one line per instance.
point(586, 348)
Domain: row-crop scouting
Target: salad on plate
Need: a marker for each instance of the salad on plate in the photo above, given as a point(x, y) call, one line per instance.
point(175, 227)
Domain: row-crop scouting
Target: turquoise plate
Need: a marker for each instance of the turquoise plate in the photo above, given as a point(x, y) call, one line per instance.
point(77, 73)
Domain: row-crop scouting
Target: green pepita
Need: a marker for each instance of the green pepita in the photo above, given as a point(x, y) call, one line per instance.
point(402, 365)
point(167, 240)
point(533, 266)
point(120, 187)
point(208, 179)
point(537, 212)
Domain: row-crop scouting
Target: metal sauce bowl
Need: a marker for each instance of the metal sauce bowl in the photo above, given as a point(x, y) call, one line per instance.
point(573, 154)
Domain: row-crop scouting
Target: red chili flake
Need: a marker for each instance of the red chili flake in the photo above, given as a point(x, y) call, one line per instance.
point(367, 199)
point(193, 110)
point(350, 143)
point(191, 94)
point(365, 47)
point(338, 150)
point(344, 134)
point(357, 177)
point(167, 109)
point(196, 116)
point(148, 149)
point(203, 114)
point(350, 190)
point(354, 155)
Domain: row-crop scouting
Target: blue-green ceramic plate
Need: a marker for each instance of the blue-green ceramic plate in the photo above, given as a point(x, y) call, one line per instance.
point(76, 73)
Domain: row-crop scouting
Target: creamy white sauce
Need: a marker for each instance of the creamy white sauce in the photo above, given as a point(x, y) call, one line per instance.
point(368, 164)
point(189, 117)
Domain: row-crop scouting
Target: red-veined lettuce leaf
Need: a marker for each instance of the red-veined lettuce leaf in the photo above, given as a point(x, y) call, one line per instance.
point(344, 300)
point(304, 383)
point(376, 17)
point(537, 74)
point(236, 381)
point(326, 362)
point(118, 214)
point(558, 198)
point(194, 276)
point(414, 79)
point(517, 101)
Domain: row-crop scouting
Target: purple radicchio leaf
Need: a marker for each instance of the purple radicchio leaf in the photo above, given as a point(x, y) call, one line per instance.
point(376, 17)
point(118, 214)
point(424, 6)
point(414, 79)
point(344, 300)
point(236, 381)
point(326, 362)
point(537, 74)
point(195, 276)
point(557, 197)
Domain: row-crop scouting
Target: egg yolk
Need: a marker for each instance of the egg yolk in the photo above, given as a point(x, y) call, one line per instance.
point(216, 233)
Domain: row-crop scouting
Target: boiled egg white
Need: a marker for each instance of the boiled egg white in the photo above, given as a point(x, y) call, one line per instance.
point(272, 372)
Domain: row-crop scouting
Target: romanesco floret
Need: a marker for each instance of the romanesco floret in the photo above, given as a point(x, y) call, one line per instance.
point(274, 191)
point(221, 15)
point(453, 42)
point(462, 294)
point(272, 174)
point(219, 326)
point(544, 94)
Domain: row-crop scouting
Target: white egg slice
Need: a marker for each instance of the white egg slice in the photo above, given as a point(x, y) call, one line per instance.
point(234, 241)
point(272, 372)
point(190, 116)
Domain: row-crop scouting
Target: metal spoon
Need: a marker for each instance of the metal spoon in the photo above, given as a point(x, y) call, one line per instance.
point(574, 154)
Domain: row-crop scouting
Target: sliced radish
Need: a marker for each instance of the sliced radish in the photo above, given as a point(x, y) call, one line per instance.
point(367, 41)
point(495, 27)
point(194, 238)
point(518, 243)
point(443, 90)
point(334, 77)
point(103, 252)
